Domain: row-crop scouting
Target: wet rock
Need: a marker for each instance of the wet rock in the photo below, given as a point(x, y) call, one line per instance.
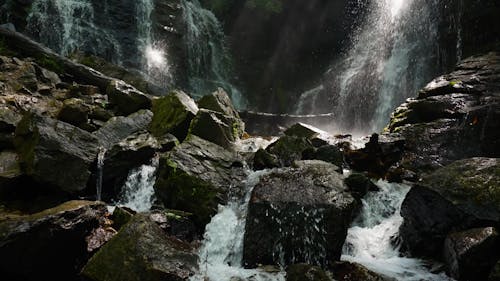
point(126, 98)
point(142, 251)
point(265, 160)
point(98, 237)
point(167, 142)
point(175, 223)
point(173, 114)
point(327, 153)
point(355, 272)
point(298, 215)
point(219, 101)
point(289, 149)
point(306, 272)
point(359, 184)
point(47, 76)
point(55, 153)
point(471, 254)
point(10, 168)
point(118, 128)
point(453, 198)
point(121, 216)
point(8, 122)
point(302, 130)
point(50, 244)
point(196, 176)
point(218, 128)
point(74, 112)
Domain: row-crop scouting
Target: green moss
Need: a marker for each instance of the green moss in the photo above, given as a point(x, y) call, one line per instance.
point(50, 63)
point(26, 140)
point(455, 82)
point(170, 116)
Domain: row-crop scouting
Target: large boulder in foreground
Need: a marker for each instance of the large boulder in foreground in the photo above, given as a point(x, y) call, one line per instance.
point(298, 215)
point(196, 176)
point(463, 194)
point(142, 251)
point(49, 245)
point(471, 254)
point(55, 153)
point(173, 114)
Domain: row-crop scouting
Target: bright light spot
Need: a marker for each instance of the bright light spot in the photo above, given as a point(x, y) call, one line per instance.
point(395, 6)
point(155, 57)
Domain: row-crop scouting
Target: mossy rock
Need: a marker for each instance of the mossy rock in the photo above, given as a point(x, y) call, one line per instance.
point(219, 101)
point(263, 160)
point(126, 98)
point(216, 127)
point(74, 112)
point(289, 149)
point(173, 114)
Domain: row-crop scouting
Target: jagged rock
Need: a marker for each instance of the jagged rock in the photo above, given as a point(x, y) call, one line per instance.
point(219, 101)
point(302, 130)
point(142, 251)
point(126, 98)
point(173, 114)
point(471, 254)
point(50, 244)
point(74, 112)
point(47, 76)
point(298, 215)
point(289, 149)
point(327, 153)
point(264, 160)
point(55, 153)
point(175, 223)
point(453, 198)
point(121, 216)
point(196, 176)
point(215, 127)
point(347, 271)
point(359, 185)
point(167, 142)
point(118, 128)
point(306, 272)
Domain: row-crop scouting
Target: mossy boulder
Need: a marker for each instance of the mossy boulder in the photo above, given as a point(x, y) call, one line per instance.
point(219, 101)
point(264, 160)
point(289, 149)
point(74, 111)
point(126, 98)
point(196, 176)
point(49, 245)
point(328, 153)
point(142, 251)
point(55, 153)
point(173, 114)
point(216, 127)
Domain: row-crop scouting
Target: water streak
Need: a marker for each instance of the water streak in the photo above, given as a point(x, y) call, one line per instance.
point(100, 163)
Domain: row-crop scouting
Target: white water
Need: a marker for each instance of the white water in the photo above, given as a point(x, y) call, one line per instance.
point(222, 250)
point(209, 62)
point(138, 192)
point(100, 163)
point(372, 239)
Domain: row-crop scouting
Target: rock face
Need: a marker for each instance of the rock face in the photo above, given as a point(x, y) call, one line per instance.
point(142, 251)
point(196, 176)
point(217, 128)
point(118, 128)
point(298, 215)
point(173, 114)
point(453, 198)
point(126, 98)
point(453, 117)
point(55, 152)
point(48, 245)
point(471, 254)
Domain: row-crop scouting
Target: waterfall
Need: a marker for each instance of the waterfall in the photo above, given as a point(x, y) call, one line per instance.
point(222, 250)
point(209, 63)
point(100, 163)
point(372, 239)
point(138, 192)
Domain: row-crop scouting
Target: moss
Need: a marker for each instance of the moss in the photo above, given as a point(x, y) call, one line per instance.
point(50, 63)
point(26, 140)
point(170, 116)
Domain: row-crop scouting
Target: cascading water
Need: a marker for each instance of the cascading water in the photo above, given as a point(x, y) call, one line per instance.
point(138, 192)
point(209, 64)
point(100, 163)
point(222, 250)
point(372, 239)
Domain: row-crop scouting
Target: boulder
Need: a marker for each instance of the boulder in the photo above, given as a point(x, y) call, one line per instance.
point(289, 149)
point(142, 251)
point(302, 130)
point(348, 271)
point(359, 185)
point(327, 153)
point(118, 128)
point(306, 272)
point(9, 167)
point(74, 111)
point(55, 153)
point(265, 160)
point(471, 254)
point(453, 198)
point(49, 245)
point(298, 215)
point(215, 127)
point(219, 101)
point(126, 98)
point(173, 114)
point(196, 176)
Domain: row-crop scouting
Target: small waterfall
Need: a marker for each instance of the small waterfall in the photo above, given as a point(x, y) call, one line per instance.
point(100, 163)
point(138, 192)
point(222, 250)
point(209, 63)
point(372, 239)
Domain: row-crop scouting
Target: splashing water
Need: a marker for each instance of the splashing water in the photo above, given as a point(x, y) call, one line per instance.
point(100, 163)
point(222, 250)
point(371, 240)
point(138, 192)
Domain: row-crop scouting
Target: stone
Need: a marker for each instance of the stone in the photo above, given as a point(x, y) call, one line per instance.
point(173, 114)
point(288, 149)
point(74, 112)
point(327, 153)
point(265, 160)
point(302, 130)
point(298, 215)
point(215, 127)
point(219, 101)
point(10, 168)
point(306, 272)
point(471, 254)
point(55, 153)
point(126, 98)
point(359, 185)
point(196, 176)
point(142, 251)
point(348, 271)
point(50, 244)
